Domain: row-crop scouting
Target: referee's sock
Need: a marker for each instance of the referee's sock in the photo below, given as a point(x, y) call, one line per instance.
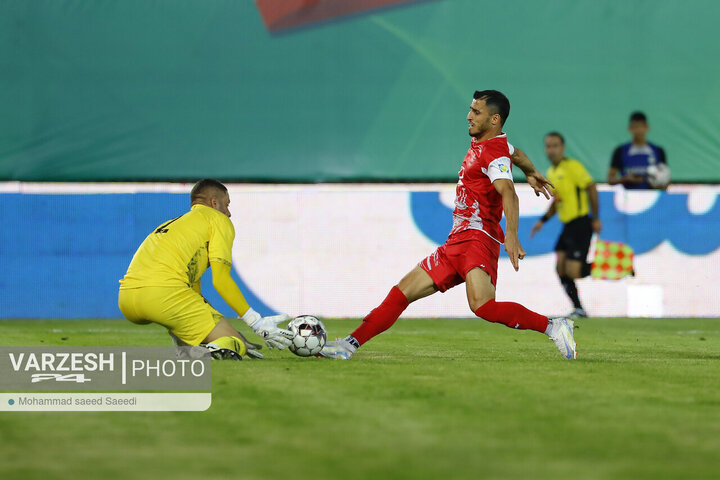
point(571, 290)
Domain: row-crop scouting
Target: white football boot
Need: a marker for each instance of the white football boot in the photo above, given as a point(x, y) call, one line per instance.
point(561, 332)
point(337, 350)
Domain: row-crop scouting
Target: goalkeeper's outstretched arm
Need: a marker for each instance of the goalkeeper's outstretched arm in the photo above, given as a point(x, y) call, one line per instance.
point(266, 327)
point(227, 288)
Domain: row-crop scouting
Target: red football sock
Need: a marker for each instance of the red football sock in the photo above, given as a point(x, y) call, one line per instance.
point(513, 315)
point(382, 317)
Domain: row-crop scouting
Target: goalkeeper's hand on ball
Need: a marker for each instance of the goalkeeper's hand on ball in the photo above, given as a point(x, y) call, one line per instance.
point(267, 328)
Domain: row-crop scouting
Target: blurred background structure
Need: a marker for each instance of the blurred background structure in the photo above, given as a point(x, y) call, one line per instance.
point(158, 90)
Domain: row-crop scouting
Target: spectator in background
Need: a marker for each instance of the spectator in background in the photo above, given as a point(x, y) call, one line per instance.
point(634, 163)
point(575, 196)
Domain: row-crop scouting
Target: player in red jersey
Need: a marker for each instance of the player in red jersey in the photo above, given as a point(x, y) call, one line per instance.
point(484, 190)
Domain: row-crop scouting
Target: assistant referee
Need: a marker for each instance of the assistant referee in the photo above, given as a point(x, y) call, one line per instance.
point(575, 197)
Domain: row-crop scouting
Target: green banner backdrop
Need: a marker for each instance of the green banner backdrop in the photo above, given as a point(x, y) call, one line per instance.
point(181, 89)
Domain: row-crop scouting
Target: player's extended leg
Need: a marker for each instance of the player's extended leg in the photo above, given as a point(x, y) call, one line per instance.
point(414, 286)
point(481, 298)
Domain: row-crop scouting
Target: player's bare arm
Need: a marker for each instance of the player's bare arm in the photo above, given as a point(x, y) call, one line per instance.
point(535, 178)
point(511, 207)
point(548, 215)
point(594, 207)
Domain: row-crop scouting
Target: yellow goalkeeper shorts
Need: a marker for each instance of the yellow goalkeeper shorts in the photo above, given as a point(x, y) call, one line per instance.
point(183, 311)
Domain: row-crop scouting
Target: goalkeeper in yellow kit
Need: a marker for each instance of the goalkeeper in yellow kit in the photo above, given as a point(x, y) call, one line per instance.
point(162, 283)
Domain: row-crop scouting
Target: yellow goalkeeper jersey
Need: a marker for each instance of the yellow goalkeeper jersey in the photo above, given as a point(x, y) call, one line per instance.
point(571, 180)
point(180, 250)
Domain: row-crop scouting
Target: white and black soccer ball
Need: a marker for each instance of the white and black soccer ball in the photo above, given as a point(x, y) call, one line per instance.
point(658, 175)
point(309, 337)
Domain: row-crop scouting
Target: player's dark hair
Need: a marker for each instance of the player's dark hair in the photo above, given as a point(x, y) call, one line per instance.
point(496, 101)
point(202, 187)
point(638, 117)
point(556, 134)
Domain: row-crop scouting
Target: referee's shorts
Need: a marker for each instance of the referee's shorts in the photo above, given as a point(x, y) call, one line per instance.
point(575, 238)
point(183, 311)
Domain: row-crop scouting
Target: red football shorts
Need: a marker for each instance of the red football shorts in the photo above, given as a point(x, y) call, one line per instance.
point(450, 263)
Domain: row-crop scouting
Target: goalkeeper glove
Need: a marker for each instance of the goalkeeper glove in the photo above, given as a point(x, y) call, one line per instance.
point(253, 350)
point(267, 328)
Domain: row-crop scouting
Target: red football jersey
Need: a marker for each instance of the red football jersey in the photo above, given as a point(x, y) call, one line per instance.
point(478, 206)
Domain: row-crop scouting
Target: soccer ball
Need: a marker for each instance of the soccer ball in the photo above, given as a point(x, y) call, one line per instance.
point(310, 335)
point(658, 175)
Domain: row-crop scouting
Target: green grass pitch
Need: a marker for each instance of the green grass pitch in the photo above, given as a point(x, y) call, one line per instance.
point(429, 399)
